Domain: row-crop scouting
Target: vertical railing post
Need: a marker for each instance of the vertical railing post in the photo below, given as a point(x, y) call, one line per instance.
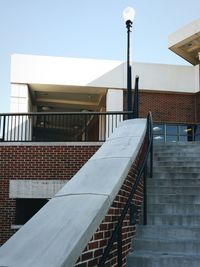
point(85, 127)
point(119, 247)
point(151, 160)
point(4, 124)
point(150, 129)
point(145, 195)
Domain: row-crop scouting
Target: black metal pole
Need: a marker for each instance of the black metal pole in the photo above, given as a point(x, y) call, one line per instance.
point(136, 99)
point(129, 70)
point(119, 247)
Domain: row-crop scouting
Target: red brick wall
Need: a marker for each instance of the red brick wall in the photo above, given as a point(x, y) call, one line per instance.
point(35, 162)
point(94, 249)
point(169, 107)
point(198, 107)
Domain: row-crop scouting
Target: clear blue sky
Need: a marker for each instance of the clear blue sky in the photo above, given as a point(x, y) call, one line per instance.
point(88, 29)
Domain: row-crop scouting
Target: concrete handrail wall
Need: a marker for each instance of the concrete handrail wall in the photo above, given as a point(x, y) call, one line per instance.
point(58, 233)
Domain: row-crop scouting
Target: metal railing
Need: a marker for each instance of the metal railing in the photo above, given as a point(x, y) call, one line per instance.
point(59, 126)
point(142, 171)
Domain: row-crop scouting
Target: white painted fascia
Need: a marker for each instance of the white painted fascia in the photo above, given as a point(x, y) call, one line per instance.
point(184, 33)
point(94, 73)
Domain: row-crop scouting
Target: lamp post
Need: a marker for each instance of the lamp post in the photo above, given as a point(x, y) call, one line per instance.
point(129, 14)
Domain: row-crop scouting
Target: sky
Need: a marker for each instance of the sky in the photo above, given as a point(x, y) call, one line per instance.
point(89, 29)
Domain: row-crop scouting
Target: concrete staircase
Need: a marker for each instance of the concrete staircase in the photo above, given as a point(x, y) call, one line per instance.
point(172, 236)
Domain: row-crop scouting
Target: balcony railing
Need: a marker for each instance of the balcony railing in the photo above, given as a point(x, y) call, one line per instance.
point(59, 126)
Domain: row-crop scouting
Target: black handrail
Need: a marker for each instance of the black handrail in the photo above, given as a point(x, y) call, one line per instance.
point(68, 113)
point(117, 233)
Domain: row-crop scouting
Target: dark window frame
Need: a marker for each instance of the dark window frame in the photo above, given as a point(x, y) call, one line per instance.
point(26, 208)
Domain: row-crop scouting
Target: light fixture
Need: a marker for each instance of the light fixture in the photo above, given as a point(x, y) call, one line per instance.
point(46, 108)
point(158, 137)
point(156, 128)
point(129, 14)
point(188, 130)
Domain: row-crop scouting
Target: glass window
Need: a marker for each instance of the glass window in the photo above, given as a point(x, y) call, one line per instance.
point(183, 129)
point(171, 129)
point(197, 130)
point(176, 132)
point(197, 137)
point(171, 138)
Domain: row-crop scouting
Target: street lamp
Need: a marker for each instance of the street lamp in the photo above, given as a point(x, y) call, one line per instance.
point(129, 14)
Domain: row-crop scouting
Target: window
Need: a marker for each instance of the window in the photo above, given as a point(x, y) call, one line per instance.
point(159, 131)
point(197, 132)
point(26, 208)
point(168, 132)
point(171, 133)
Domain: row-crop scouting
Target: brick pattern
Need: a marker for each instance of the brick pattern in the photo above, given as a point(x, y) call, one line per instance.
point(198, 107)
point(94, 249)
point(35, 162)
point(169, 107)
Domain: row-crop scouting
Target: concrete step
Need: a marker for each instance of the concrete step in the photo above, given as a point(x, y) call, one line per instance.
point(178, 163)
point(176, 190)
point(176, 199)
point(187, 147)
point(176, 175)
point(173, 182)
point(174, 209)
point(172, 157)
point(152, 259)
point(178, 169)
point(183, 220)
point(166, 231)
point(172, 236)
point(180, 145)
point(177, 150)
point(167, 245)
point(177, 155)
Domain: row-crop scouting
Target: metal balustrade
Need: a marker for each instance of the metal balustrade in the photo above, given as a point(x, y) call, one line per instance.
point(146, 153)
point(59, 126)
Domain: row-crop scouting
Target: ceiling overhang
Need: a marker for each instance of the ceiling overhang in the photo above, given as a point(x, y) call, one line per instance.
point(186, 42)
point(66, 98)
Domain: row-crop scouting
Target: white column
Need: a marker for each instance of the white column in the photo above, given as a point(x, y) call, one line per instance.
point(19, 98)
point(197, 78)
point(114, 102)
point(19, 128)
